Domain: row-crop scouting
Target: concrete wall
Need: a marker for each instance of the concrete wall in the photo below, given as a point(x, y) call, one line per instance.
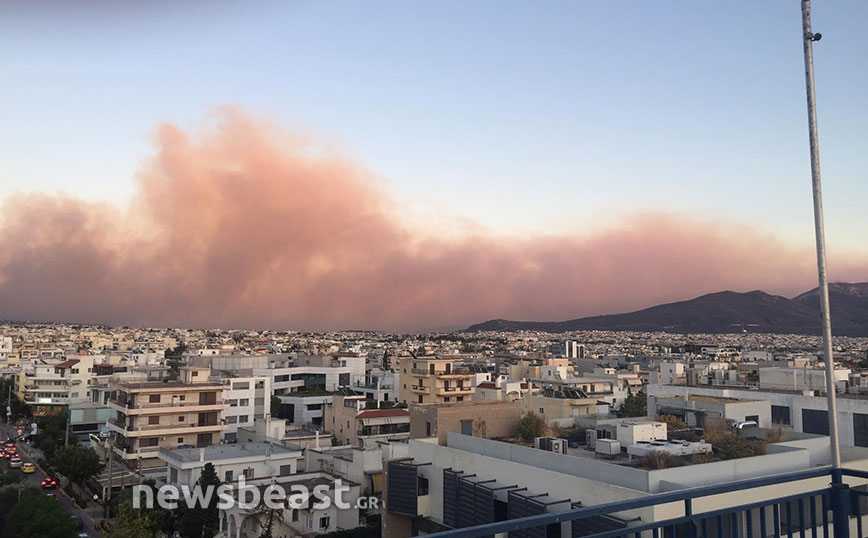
point(495, 419)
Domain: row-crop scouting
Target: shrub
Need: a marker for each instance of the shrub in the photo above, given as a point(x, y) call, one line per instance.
point(658, 460)
point(531, 426)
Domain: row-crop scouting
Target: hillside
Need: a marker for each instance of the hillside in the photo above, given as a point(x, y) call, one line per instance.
point(723, 312)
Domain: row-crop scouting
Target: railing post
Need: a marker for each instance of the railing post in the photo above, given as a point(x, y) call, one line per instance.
point(688, 512)
point(840, 503)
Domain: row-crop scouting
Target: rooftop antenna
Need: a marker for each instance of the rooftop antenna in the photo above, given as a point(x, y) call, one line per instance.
point(808, 38)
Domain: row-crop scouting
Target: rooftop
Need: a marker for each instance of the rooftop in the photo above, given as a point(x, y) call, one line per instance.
point(225, 452)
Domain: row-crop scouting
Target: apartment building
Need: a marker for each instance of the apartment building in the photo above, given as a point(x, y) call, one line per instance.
point(473, 481)
point(251, 460)
point(249, 398)
point(481, 419)
point(154, 415)
point(349, 420)
point(433, 380)
point(56, 382)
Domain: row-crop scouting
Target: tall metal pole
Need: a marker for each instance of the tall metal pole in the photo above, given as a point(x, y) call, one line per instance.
point(808, 38)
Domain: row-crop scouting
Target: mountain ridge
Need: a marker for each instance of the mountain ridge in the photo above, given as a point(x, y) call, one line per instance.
point(722, 312)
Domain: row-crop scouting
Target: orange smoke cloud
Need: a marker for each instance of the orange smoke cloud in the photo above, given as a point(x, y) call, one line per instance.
point(247, 226)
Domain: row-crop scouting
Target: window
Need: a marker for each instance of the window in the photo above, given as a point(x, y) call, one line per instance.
point(815, 421)
point(285, 470)
point(420, 398)
point(173, 475)
point(781, 415)
point(295, 514)
point(241, 386)
point(459, 398)
point(466, 427)
point(542, 411)
point(194, 374)
point(181, 418)
point(244, 418)
point(233, 403)
point(153, 420)
point(231, 420)
point(154, 398)
point(447, 399)
point(244, 402)
point(180, 440)
point(422, 488)
point(860, 429)
point(427, 429)
point(324, 522)
point(754, 418)
point(229, 477)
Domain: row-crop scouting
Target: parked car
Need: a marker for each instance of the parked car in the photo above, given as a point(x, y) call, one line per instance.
point(28, 468)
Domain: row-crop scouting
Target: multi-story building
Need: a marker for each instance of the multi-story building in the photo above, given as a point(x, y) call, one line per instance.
point(480, 419)
point(348, 419)
point(251, 460)
point(249, 398)
point(428, 380)
point(154, 415)
point(49, 383)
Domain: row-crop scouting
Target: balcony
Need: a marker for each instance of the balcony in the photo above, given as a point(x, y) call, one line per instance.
point(419, 389)
point(454, 391)
point(151, 430)
point(167, 407)
point(795, 504)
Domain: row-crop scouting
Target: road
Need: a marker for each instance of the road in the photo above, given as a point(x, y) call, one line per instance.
point(30, 454)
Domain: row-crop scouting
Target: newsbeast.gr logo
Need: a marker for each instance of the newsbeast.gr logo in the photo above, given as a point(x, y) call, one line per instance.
point(249, 497)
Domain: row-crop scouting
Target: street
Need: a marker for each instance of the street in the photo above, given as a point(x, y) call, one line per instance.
point(30, 454)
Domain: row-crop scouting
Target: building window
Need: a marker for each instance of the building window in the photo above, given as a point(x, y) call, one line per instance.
point(228, 476)
point(285, 470)
point(243, 403)
point(427, 429)
point(241, 386)
point(194, 374)
point(180, 440)
point(459, 398)
point(542, 411)
point(181, 418)
point(243, 418)
point(466, 427)
point(153, 420)
point(860, 429)
point(295, 514)
point(154, 398)
point(324, 522)
point(233, 403)
point(447, 399)
point(781, 415)
point(420, 398)
point(422, 488)
point(815, 421)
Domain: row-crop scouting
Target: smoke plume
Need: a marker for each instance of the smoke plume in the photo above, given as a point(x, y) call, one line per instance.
point(243, 225)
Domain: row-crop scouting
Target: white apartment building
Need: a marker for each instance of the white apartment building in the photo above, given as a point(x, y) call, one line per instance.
point(56, 382)
point(250, 460)
point(249, 398)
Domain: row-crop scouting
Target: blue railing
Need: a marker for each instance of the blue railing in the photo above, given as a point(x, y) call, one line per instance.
point(825, 512)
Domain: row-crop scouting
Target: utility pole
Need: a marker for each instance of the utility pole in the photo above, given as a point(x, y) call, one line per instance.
point(808, 38)
point(66, 431)
point(108, 495)
point(840, 493)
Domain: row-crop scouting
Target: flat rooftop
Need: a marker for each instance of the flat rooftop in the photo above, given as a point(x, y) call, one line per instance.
point(225, 452)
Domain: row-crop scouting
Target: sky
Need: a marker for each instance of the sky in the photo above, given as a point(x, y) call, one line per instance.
point(477, 134)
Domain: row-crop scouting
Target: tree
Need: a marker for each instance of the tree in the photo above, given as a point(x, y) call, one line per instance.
point(531, 426)
point(38, 516)
point(635, 405)
point(194, 521)
point(275, 407)
point(673, 423)
point(12, 476)
point(129, 523)
point(77, 463)
point(52, 433)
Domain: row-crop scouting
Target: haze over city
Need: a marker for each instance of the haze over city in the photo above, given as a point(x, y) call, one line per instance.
point(570, 160)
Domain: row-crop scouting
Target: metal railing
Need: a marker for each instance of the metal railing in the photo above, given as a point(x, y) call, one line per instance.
point(827, 512)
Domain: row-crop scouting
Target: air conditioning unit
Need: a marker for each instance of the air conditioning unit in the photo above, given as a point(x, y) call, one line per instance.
point(551, 444)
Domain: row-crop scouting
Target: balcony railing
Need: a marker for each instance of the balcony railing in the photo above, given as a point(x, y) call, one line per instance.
point(420, 389)
point(831, 511)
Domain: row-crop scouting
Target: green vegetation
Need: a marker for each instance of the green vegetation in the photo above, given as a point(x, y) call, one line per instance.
point(531, 426)
point(77, 463)
point(25, 512)
point(635, 405)
point(673, 424)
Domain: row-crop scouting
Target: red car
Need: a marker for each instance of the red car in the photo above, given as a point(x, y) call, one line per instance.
point(49, 483)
